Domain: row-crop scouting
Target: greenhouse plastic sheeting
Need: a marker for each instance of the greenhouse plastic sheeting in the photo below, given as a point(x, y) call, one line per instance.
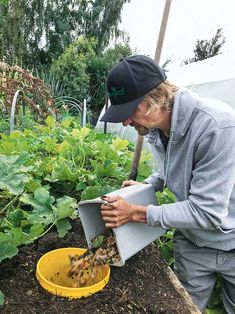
point(213, 77)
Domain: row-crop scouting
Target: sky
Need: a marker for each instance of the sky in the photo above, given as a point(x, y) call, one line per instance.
point(188, 21)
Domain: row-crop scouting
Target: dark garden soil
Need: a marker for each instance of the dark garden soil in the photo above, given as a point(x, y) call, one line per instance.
point(141, 286)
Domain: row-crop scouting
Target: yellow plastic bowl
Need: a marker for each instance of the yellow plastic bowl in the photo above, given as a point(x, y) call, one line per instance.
point(51, 273)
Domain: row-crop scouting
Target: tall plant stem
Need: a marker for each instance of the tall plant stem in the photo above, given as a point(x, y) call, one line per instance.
point(11, 202)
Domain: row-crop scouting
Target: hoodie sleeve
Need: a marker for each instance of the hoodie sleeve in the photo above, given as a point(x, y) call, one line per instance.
point(211, 187)
point(156, 180)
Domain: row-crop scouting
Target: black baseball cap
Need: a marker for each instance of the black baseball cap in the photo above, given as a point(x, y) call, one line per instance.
point(127, 84)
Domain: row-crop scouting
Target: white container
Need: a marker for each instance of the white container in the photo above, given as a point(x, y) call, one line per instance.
point(131, 237)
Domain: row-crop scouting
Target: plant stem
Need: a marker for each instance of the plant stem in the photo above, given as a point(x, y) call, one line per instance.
point(12, 201)
point(48, 229)
point(73, 161)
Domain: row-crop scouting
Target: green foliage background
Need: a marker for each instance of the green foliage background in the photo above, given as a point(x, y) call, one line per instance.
point(83, 73)
point(207, 48)
point(46, 170)
point(34, 32)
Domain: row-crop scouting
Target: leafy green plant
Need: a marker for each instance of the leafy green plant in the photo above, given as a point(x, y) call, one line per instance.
point(165, 242)
point(57, 88)
point(165, 197)
point(215, 305)
point(4, 124)
point(1, 298)
point(47, 169)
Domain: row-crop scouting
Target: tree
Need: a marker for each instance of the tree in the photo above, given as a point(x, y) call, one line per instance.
point(165, 64)
point(207, 48)
point(70, 68)
point(97, 69)
point(12, 43)
point(37, 31)
point(83, 72)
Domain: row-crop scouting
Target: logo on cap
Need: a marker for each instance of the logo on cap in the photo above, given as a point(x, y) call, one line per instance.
point(114, 92)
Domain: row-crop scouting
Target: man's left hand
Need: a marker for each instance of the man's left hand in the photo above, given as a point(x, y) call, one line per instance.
point(116, 211)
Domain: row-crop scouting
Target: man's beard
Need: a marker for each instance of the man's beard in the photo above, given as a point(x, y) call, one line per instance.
point(142, 130)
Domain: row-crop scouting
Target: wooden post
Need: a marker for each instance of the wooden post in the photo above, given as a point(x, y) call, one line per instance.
point(106, 108)
point(136, 158)
point(161, 35)
point(139, 141)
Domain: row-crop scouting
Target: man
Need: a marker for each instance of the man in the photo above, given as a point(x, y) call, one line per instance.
point(194, 141)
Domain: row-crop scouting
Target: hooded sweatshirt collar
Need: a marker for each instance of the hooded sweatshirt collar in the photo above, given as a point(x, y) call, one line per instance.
point(184, 105)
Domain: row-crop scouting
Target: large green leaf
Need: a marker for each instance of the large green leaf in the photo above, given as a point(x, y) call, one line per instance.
point(41, 200)
point(13, 175)
point(165, 197)
point(45, 209)
point(61, 171)
point(90, 192)
point(107, 169)
point(49, 143)
point(1, 298)
point(45, 217)
point(35, 231)
point(63, 226)
point(63, 147)
point(120, 144)
point(16, 216)
point(7, 250)
point(80, 186)
point(80, 134)
point(50, 121)
point(3, 237)
point(106, 152)
point(144, 170)
point(14, 146)
point(64, 207)
point(17, 236)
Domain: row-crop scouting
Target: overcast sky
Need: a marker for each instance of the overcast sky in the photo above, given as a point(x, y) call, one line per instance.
point(188, 21)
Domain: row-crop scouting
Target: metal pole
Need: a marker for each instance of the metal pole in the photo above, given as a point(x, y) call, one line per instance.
point(84, 110)
point(13, 107)
point(140, 139)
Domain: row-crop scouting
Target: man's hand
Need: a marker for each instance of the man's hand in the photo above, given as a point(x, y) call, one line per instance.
point(129, 182)
point(117, 211)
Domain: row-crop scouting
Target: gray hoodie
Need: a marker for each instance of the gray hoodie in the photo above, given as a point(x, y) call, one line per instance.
point(199, 168)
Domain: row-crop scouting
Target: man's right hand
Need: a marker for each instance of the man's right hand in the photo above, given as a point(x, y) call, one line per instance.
point(129, 182)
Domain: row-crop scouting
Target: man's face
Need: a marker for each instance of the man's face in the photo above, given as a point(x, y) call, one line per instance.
point(143, 123)
point(141, 129)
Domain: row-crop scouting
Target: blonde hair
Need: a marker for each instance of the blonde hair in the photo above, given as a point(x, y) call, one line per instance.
point(161, 96)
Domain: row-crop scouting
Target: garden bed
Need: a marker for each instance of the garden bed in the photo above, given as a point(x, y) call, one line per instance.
point(144, 285)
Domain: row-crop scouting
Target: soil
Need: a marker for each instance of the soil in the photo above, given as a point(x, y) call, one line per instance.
point(140, 286)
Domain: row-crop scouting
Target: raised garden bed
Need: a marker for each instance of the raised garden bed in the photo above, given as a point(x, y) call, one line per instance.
point(144, 285)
